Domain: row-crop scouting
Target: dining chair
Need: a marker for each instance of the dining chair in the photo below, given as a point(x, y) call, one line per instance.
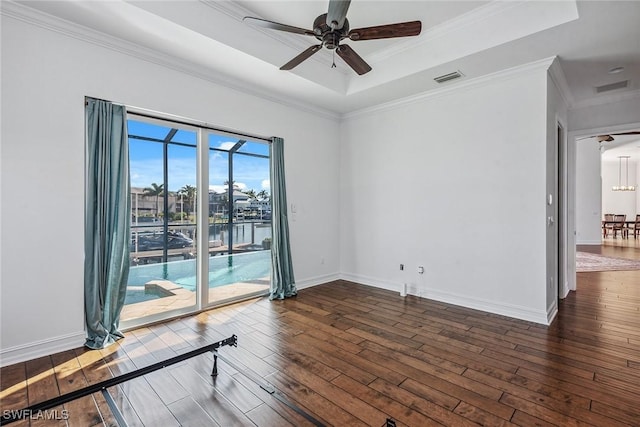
point(607, 225)
point(619, 225)
point(634, 227)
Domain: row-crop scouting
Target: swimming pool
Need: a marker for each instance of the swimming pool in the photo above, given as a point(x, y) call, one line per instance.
point(139, 294)
point(223, 270)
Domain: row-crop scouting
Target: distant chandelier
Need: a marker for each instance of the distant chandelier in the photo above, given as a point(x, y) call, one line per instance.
point(621, 187)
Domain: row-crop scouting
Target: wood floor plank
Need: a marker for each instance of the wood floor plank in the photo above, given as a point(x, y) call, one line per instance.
point(345, 362)
point(69, 376)
point(13, 386)
point(147, 404)
point(323, 387)
point(581, 387)
point(266, 416)
point(326, 411)
point(475, 398)
point(567, 414)
point(273, 402)
point(616, 412)
point(392, 407)
point(190, 414)
point(208, 398)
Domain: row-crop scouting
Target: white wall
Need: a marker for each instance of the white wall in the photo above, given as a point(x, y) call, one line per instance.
point(588, 194)
point(619, 202)
point(610, 115)
point(45, 77)
point(456, 183)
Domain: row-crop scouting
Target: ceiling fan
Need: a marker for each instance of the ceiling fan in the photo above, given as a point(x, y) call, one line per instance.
point(332, 27)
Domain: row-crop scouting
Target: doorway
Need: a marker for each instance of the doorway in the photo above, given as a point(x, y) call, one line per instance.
point(560, 211)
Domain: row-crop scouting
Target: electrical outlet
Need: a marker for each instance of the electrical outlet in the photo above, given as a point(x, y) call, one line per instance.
point(401, 267)
point(420, 270)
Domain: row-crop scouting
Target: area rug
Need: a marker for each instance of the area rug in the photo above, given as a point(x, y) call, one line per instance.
point(586, 262)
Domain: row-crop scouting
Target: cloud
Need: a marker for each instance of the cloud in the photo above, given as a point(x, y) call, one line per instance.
point(266, 184)
point(223, 188)
point(217, 188)
point(227, 145)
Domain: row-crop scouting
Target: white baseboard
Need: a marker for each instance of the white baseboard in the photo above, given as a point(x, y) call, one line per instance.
point(372, 281)
point(33, 350)
point(510, 310)
point(317, 280)
point(589, 242)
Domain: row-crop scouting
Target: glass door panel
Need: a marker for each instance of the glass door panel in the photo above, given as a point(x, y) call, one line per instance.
point(240, 218)
point(162, 275)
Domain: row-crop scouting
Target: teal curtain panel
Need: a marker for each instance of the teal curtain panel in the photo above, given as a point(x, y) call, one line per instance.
point(107, 222)
point(282, 280)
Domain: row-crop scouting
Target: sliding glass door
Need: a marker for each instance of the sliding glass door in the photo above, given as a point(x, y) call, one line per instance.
point(170, 274)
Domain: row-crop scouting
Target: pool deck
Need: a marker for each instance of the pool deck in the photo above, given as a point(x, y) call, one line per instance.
point(181, 298)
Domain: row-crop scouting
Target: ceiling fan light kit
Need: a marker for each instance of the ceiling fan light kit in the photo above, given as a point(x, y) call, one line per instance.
point(333, 27)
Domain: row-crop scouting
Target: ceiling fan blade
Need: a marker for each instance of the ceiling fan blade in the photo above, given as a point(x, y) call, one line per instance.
point(608, 137)
point(633, 132)
point(298, 59)
point(337, 13)
point(276, 26)
point(402, 29)
point(353, 59)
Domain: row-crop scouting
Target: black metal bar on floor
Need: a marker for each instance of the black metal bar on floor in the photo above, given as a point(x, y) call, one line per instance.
point(9, 416)
point(120, 421)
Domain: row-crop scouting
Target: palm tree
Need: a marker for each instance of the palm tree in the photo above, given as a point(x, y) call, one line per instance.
point(252, 194)
point(262, 195)
point(188, 192)
point(155, 190)
point(233, 187)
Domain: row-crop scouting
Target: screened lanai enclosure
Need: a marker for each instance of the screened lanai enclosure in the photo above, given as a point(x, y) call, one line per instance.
point(200, 218)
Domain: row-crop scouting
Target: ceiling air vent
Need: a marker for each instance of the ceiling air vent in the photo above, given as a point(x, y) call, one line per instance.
point(612, 86)
point(447, 77)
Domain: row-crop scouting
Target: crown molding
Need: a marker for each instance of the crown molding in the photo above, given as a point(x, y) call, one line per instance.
point(52, 23)
point(509, 73)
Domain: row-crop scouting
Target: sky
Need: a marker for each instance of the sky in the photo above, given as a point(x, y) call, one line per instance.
point(146, 160)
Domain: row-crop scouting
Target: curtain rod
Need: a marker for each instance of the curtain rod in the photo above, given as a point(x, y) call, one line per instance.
point(142, 112)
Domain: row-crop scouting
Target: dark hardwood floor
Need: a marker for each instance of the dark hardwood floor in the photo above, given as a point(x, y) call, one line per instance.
point(354, 355)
